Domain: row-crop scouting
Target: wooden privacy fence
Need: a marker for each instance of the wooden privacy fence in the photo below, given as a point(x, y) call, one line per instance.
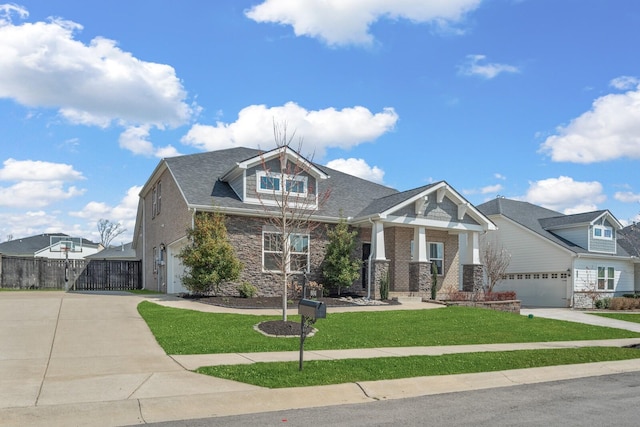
point(72, 274)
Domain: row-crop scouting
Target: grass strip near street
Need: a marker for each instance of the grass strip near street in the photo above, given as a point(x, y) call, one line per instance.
point(181, 331)
point(323, 372)
point(627, 317)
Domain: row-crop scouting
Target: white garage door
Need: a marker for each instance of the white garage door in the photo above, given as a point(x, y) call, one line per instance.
point(535, 291)
point(175, 270)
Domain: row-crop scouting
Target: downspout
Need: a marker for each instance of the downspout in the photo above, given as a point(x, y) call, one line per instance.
point(369, 265)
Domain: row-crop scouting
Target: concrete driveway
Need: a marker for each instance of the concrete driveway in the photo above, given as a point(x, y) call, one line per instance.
point(580, 316)
point(62, 348)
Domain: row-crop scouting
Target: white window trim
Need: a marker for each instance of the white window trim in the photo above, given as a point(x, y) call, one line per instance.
point(283, 180)
point(288, 261)
point(436, 259)
point(602, 229)
point(606, 279)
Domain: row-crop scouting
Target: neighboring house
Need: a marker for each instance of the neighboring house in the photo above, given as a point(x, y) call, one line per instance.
point(560, 260)
point(49, 246)
point(124, 252)
point(629, 239)
point(242, 184)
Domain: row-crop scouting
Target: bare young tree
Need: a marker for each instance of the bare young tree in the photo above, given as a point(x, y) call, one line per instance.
point(108, 231)
point(496, 260)
point(289, 198)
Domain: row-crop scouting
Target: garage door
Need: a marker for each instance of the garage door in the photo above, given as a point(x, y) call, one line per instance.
point(537, 290)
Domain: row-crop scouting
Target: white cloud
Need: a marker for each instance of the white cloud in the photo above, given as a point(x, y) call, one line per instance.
point(489, 189)
point(37, 183)
point(135, 139)
point(610, 130)
point(359, 168)
point(625, 82)
point(342, 22)
point(473, 67)
point(37, 194)
point(565, 195)
point(627, 197)
point(35, 170)
point(43, 65)
point(123, 213)
point(29, 223)
point(319, 129)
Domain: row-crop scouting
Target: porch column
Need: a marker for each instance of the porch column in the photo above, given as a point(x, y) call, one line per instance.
point(378, 241)
point(419, 267)
point(419, 245)
point(472, 269)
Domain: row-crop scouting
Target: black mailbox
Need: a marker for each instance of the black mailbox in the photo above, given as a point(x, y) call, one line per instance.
point(312, 309)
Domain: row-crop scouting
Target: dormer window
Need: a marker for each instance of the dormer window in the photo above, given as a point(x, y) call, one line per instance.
point(297, 185)
point(602, 232)
point(270, 183)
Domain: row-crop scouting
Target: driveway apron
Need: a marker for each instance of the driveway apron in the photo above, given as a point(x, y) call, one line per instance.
point(65, 348)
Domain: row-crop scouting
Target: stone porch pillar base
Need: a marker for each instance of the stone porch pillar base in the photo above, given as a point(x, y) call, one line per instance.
point(473, 277)
point(379, 272)
point(420, 277)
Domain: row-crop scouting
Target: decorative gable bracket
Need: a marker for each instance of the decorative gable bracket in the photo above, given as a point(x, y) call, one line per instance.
point(440, 194)
point(420, 205)
point(462, 210)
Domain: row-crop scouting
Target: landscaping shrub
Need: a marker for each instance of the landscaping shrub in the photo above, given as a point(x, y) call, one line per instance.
point(384, 287)
point(603, 303)
point(621, 303)
point(247, 290)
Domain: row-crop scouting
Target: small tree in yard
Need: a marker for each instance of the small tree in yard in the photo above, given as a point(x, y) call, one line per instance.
point(289, 201)
point(340, 268)
point(496, 260)
point(210, 259)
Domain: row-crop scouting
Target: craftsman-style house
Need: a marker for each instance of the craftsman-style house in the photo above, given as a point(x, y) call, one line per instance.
point(399, 233)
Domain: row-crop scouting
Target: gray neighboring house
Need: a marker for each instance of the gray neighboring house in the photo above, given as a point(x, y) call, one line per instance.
point(123, 252)
point(39, 246)
point(401, 233)
point(560, 260)
point(629, 239)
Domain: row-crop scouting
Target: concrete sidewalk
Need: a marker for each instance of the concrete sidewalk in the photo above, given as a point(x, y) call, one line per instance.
point(89, 359)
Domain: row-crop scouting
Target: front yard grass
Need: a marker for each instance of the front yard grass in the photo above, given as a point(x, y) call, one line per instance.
point(627, 317)
point(323, 372)
point(181, 331)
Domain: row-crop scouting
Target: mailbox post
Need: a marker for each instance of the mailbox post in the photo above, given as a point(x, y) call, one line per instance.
point(309, 311)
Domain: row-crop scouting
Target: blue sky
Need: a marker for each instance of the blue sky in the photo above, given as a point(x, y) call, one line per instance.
point(537, 100)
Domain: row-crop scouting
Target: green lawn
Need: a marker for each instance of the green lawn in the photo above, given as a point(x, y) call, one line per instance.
point(315, 372)
point(192, 332)
point(627, 317)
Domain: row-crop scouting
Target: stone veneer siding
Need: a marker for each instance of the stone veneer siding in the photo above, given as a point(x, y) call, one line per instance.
point(473, 277)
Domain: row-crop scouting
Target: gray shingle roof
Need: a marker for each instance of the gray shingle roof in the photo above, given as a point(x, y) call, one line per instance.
point(629, 239)
point(540, 220)
point(28, 246)
point(198, 177)
point(120, 252)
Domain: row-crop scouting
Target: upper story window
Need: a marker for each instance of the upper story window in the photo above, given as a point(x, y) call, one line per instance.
point(602, 232)
point(269, 183)
point(156, 199)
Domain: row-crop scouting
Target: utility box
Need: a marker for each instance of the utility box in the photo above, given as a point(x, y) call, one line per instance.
point(312, 309)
